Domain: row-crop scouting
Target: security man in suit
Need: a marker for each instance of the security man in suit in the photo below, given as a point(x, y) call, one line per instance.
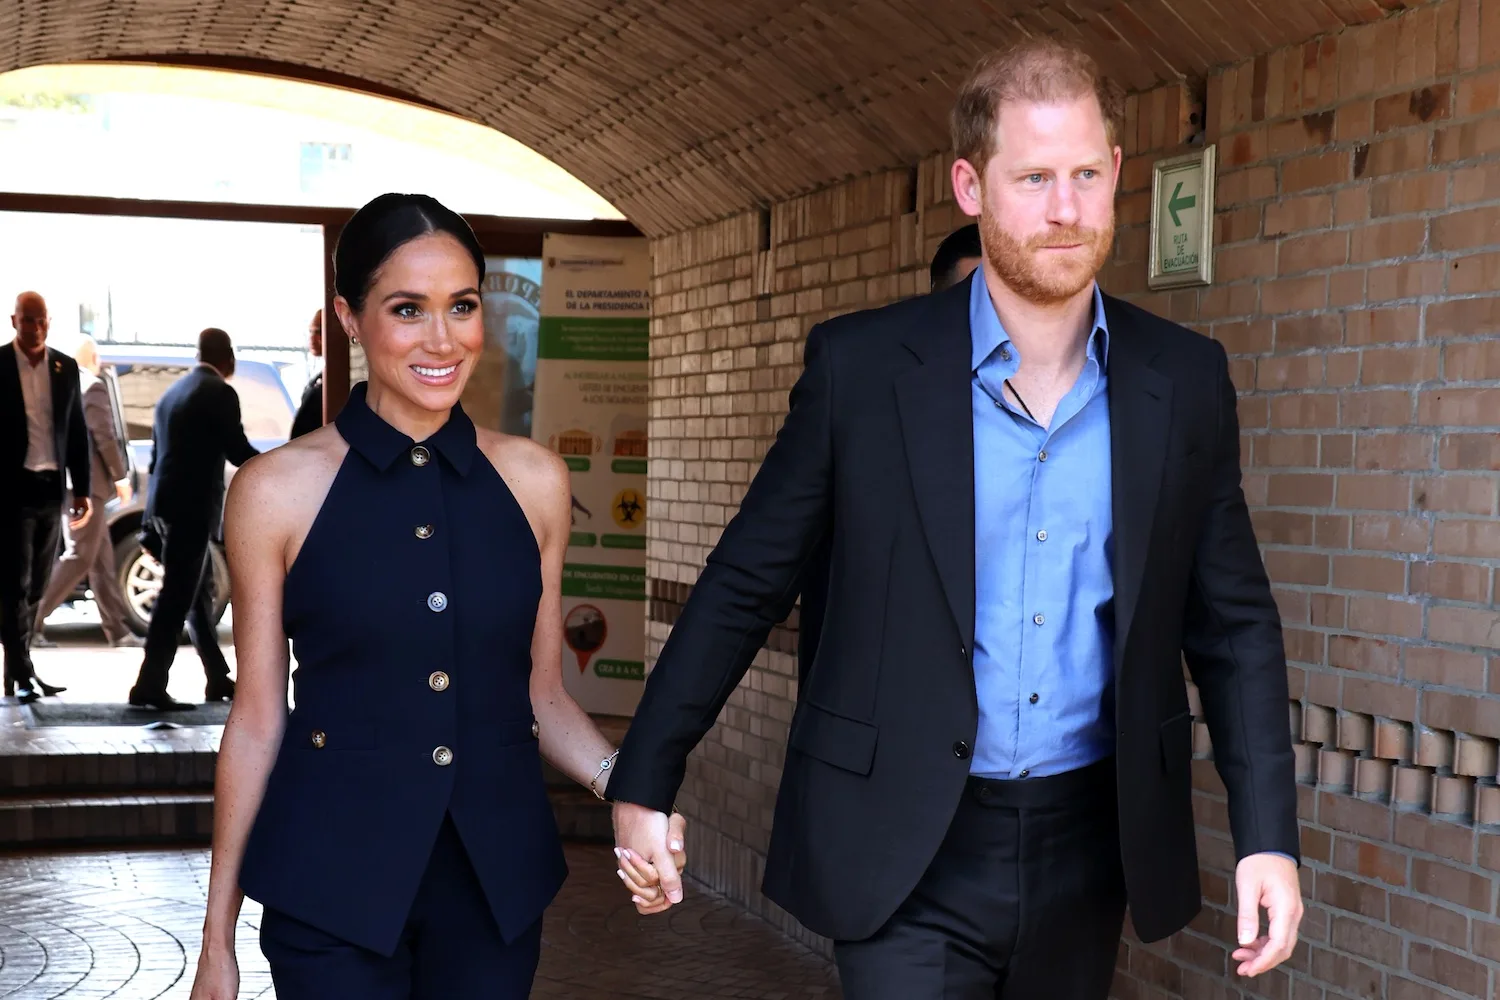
point(196, 429)
point(42, 434)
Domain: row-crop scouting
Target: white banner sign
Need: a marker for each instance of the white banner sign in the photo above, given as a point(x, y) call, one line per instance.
point(592, 384)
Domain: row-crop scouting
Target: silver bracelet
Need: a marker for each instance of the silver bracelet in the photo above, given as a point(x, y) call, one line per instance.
point(604, 765)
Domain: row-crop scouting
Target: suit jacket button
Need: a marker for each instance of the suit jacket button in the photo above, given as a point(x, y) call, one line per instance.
point(961, 750)
point(420, 456)
point(442, 756)
point(319, 739)
point(438, 681)
point(424, 531)
point(437, 601)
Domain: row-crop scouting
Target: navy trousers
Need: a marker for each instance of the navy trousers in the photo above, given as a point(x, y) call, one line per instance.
point(451, 948)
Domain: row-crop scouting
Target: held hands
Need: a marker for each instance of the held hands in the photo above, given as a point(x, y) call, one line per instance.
point(650, 850)
point(1269, 882)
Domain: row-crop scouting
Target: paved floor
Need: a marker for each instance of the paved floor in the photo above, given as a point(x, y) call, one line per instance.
point(91, 924)
point(93, 671)
point(126, 924)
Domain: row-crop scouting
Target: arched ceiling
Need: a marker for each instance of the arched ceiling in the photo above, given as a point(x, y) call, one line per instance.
point(680, 111)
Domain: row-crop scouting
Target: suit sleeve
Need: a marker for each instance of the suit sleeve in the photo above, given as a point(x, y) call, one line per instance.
point(310, 414)
point(748, 585)
point(237, 447)
point(1233, 646)
point(79, 464)
point(158, 425)
point(100, 420)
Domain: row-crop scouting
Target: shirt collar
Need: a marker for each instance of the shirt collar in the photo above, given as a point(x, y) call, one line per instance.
point(381, 444)
point(987, 333)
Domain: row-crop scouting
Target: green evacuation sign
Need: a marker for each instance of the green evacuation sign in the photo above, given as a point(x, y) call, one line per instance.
point(1179, 218)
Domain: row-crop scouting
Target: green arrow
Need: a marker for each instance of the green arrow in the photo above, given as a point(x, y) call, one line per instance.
point(1176, 203)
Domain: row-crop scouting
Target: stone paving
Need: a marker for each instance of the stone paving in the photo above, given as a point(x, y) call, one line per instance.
point(126, 924)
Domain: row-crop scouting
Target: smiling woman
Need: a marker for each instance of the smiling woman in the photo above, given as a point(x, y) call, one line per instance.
point(395, 825)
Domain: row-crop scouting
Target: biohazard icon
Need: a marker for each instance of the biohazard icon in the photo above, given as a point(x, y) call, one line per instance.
point(629, 509)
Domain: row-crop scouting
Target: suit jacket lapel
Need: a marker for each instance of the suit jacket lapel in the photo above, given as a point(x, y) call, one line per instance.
point(60, 400)
point(937, 425)
point(1140, 413)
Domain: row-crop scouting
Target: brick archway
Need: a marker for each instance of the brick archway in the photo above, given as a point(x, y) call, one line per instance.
point(684, 112)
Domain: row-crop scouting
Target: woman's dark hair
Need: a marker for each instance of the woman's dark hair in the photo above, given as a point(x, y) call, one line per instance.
point(381, 228)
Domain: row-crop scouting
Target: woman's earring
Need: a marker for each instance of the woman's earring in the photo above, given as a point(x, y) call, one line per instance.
point(354, 340)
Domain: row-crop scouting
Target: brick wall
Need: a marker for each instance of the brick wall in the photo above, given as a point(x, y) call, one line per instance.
point(1359, 191)
point(1359, 212)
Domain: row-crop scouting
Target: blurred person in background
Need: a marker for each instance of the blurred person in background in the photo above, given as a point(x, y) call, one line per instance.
point(196, 430)
point(41, 435)
point(89, 552)
point(310, 413)
point(956, 258)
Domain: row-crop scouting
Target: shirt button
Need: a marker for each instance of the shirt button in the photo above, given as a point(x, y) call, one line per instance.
point(442, 756)
point(1004, 354)
point(1040, 619)
point(1041, 536)
point(438, 681)
point(438, 601)
point(1026, 772)
point(961, 750)
point(319, 739)
point(1035, 697)
point(420, 456)
point(424, 531)
point(1041, 456)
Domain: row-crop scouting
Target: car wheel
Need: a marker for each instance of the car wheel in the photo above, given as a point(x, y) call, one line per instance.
point(140, 577)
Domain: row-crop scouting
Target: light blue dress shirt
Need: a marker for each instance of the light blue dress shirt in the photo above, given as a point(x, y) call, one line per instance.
point(1044, 553)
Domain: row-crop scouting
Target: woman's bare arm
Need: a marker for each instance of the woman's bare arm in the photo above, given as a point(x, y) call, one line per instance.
point(272, 502)
point(569, 739)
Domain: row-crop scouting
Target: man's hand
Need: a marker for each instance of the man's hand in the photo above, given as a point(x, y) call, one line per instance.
point(79, 513)
point(1266, 881)
point(124, 491)
point(646, 836)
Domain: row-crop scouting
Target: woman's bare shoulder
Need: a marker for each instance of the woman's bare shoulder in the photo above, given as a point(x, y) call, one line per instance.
point(539, 467)
point(536, 476)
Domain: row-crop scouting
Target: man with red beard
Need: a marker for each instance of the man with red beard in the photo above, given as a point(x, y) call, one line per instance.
point(1031, 495)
